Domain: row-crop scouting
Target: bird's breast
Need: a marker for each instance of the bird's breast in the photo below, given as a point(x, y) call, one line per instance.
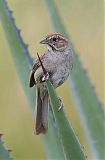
point(59, 65)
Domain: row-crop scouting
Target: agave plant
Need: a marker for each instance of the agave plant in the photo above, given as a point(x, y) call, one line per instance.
point(61, 141)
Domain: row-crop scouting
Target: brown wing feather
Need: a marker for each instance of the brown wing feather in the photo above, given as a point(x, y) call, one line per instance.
point(31, 78)
point(34, 68)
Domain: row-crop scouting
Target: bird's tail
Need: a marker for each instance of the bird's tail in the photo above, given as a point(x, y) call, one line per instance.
point(41, 120)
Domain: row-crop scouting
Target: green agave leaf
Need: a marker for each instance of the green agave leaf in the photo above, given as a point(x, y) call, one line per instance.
point(89, 107)
point(71, 146)
point(4, 152)
point(23, 63)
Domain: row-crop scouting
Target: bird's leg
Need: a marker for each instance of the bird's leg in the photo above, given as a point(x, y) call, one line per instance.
point(61, 104)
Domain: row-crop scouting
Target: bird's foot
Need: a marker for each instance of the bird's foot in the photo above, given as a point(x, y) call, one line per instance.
point(45, 77)
point(61, 104)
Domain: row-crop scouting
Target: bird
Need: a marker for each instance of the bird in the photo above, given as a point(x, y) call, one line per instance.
point(58, 63)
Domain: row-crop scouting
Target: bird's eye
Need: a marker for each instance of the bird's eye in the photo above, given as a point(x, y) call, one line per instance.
point(54, 39)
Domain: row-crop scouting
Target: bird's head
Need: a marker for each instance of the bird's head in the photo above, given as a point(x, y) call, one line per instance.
point(55, 41)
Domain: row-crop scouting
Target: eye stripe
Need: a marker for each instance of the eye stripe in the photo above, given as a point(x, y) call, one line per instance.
point(55, 34)
point(52, 38)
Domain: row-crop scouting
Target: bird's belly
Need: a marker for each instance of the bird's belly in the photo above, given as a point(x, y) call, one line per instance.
point(60, 76)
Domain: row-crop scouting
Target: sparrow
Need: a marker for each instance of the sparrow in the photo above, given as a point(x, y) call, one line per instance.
point(57, 61)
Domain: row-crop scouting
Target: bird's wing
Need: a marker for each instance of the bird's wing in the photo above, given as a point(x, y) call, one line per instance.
point(34, 68)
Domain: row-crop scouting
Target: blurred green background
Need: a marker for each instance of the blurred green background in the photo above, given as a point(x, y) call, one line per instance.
point(84, 21)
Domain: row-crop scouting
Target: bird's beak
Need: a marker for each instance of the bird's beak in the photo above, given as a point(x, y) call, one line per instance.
point(44, 41)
